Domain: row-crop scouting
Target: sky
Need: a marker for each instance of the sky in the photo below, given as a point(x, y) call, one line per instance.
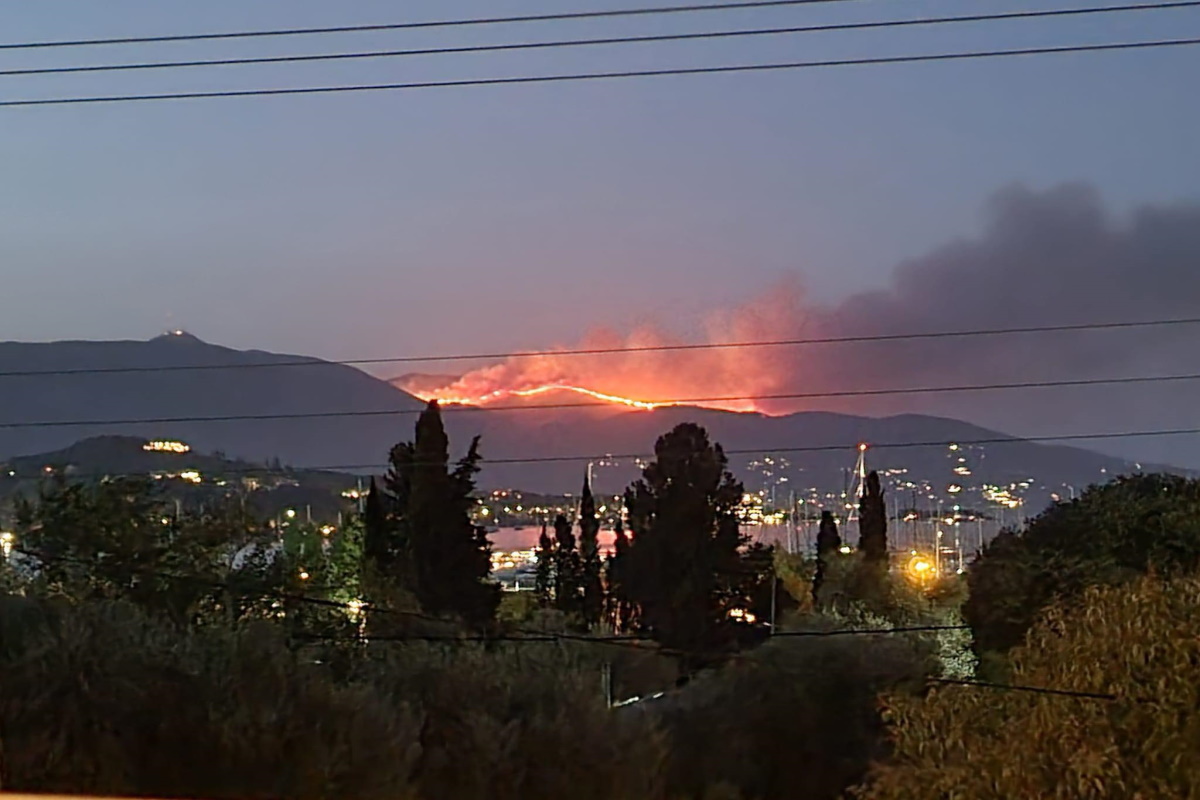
point(889, 198)
point(481, 218)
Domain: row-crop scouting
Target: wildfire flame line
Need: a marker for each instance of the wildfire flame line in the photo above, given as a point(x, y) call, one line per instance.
point(500, 394)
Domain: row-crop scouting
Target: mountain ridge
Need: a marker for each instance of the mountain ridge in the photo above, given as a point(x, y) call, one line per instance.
point(819, 446)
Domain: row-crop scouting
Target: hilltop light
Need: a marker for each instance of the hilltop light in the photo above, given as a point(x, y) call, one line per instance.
point(166, 446)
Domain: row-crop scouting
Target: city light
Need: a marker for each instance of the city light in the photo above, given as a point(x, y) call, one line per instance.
point(920, 569)
point(165, 446)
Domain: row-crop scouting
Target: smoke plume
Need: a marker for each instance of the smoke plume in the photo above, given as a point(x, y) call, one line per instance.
point(1044, 258)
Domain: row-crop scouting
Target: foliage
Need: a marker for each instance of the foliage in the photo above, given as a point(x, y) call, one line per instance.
point(829, 542)
point(544, 576)
point(1108, 535)
point(440, 555)
point(872, 541)
point(118, 540)
point(590, 567)
point(105, 700)
point(797, 717)
point(518, 723)
point(621, 610)
point(566, 568)
point(683, 569)
point(1139, 641)
point(796, 575)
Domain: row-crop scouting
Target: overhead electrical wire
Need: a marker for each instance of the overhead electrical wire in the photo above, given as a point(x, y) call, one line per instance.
point(666, 403)
point(608, 75)
point(418, 25)
point(571, 43)
point(595, 351)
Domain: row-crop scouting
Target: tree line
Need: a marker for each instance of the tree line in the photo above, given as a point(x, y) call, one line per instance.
point(213, 654)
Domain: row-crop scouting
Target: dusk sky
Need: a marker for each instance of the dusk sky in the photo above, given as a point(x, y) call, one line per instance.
point(481, 218)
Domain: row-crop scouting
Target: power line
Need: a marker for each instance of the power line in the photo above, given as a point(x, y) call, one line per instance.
point(605, 403)
point(1009, 687)
point(569, 43)
point(832, 448)
point(595, 351)
point(609, 75)
point(452, 23)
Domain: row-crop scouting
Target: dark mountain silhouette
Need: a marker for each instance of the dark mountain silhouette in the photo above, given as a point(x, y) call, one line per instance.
point(232, 382)
point(1049, 468)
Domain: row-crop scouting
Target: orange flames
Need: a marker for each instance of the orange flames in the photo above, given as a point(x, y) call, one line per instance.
point(720, 378)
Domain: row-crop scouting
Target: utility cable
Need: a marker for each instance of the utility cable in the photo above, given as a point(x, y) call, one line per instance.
point(648, 405)
point(634, 349)
point(398, 26)
point(614, 40)
point(783, 450)
point(609, 75)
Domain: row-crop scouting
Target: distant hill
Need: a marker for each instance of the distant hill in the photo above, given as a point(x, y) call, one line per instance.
point(190, 477)
point(233, 382)
point(827, 441)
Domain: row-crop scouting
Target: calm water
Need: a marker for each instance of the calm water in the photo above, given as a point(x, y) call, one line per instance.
point(510, 539)
point(968, 537)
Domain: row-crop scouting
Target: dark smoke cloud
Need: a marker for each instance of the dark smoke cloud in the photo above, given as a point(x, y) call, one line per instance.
point(1044, 258)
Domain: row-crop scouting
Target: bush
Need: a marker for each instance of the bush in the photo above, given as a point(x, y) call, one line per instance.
point(799, 717)
point(1110, 534)
point(101, 699)
point(1139, 642)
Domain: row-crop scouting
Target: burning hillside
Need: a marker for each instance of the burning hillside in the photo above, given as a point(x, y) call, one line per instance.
point(726, 378)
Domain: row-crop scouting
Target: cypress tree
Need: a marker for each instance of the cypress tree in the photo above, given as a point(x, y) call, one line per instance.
point(620, 607)
point(872, 524)
point(828, 544)
point(566, 568)
point(449, 556)
point(544, 576)
point(589, 556)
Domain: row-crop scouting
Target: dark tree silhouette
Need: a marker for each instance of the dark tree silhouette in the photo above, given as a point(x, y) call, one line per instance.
point(448, 555)
point(381, 545)
point(592, 587)
point(1134, 525)
point(872, 524)
point(566, 568)
point(829, 542)
point(685, 550)
point(621, 611)
point(543, 581)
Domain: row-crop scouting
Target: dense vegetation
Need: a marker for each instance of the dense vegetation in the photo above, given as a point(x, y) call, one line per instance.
point(146, 651)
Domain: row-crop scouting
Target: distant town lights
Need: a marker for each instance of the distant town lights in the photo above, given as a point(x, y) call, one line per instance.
point(166, 446)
